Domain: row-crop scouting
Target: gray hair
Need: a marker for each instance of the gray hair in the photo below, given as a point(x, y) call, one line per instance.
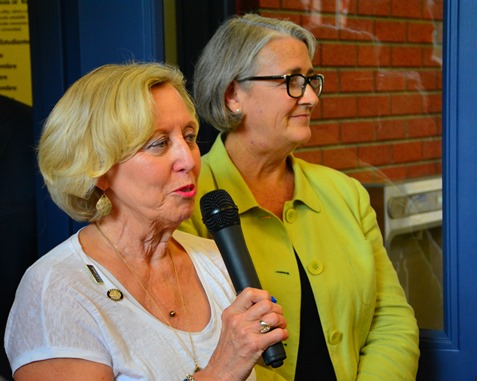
point(231, 54)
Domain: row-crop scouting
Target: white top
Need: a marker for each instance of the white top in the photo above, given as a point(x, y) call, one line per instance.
point(60, 310)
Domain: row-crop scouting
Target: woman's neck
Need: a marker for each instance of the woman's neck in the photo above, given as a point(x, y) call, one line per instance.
point(268, 175)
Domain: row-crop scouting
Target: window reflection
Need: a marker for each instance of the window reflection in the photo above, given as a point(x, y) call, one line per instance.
point(379, 120)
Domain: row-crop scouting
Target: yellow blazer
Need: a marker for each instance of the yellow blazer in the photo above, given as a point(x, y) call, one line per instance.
point(369, 327)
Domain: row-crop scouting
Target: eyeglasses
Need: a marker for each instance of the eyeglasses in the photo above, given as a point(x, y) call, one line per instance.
point(296, 83)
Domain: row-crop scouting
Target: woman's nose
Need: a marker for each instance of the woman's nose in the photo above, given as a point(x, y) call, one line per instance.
point(184, 159)
point(309, 96)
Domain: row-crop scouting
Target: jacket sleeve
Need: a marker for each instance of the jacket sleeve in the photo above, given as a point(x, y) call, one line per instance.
point(391, 351)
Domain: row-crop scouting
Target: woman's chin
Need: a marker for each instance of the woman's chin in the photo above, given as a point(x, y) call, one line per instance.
point(301, 135)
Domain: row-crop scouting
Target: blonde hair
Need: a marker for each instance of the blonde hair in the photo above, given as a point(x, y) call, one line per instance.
point(104, 118)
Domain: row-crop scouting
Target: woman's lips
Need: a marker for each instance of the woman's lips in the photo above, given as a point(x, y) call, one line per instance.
point(301, 116)
point(187, 190)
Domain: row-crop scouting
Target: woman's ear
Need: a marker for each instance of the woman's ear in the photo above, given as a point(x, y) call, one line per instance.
point(102, 183)
point(232, 100)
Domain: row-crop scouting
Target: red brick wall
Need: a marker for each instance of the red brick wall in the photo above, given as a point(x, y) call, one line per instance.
point(380, 113)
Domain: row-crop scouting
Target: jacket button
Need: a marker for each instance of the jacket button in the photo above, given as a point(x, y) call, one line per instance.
point(335, 337)
point(290, 215)
point(315, 267)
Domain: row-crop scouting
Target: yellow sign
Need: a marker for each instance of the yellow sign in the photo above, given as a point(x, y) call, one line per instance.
point(15, 69)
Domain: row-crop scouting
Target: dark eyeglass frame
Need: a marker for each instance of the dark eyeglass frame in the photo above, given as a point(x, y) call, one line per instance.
point(288, 78)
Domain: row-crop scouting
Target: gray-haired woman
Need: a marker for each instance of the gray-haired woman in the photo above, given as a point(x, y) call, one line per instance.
point(311, 232)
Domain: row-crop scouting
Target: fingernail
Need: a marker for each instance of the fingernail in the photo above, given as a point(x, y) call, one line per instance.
point(273, 299)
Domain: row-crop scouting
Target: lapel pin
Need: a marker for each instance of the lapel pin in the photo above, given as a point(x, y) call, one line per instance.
point(115, 295)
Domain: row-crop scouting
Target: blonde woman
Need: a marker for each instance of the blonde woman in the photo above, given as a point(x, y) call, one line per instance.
point(128, 297)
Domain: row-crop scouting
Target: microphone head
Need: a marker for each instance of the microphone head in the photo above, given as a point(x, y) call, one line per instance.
point(218, 210)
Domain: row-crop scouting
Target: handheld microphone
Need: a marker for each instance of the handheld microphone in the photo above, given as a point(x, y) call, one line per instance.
point(220, 216)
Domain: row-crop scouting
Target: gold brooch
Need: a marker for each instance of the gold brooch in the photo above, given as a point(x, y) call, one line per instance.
point(115, 295)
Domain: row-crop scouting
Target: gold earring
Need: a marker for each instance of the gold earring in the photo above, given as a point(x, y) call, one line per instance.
point(104, 206)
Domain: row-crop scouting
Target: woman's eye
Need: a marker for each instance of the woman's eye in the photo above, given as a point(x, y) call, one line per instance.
point(295, 83)
point(191, 138)
point(161, 143)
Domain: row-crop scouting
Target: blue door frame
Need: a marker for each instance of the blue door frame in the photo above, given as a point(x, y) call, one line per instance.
point(70, 38)
point(451, 354)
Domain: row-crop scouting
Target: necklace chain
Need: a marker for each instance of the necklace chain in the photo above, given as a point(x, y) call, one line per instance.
point(176, 275)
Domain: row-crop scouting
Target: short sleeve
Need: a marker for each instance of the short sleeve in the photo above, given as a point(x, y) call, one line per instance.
point(36, 328)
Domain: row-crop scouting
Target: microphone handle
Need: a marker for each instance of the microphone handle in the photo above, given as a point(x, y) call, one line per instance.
point(231, 244)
